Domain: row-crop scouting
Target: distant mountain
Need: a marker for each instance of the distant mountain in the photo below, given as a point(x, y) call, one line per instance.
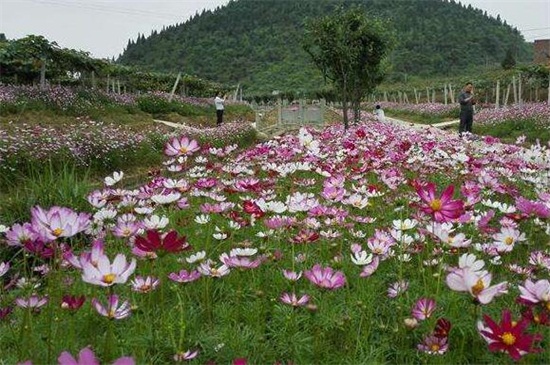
point(257, 43)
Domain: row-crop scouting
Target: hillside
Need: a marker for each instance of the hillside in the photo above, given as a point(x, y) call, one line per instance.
point(258, 43)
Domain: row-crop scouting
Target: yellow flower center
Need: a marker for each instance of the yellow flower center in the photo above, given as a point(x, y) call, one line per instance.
point(508, 338)
point(109, 278)
point(126, 232)
point(548, 305)
point(435, 347)
point(111, 313)
point(57, 232)
point(183, 150)
point(508, 240)
point(478, 288)
point(436, 205)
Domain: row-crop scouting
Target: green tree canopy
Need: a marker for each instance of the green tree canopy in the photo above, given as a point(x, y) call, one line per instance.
point(349, 49)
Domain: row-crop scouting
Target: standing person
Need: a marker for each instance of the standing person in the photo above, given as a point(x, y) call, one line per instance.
point(219, 102)
point(379, 112)
point(467, 102)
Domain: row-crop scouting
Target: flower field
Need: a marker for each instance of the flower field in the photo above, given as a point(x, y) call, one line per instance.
point(378, 244)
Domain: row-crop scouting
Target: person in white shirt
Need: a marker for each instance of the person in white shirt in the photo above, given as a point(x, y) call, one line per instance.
point(379, 112)
point(219, 102)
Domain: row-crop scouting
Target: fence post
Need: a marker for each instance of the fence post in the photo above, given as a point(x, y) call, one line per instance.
point(43, 74)
point(497, 96)
point(514, 89)
point(445, 93)
point(416, 95)
point(174, 87)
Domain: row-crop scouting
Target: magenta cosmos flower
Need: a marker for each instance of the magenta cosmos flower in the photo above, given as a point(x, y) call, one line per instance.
point(442, 208)
point(325, 277)
point(181, 146)
point(87, 357)
point(423, 308)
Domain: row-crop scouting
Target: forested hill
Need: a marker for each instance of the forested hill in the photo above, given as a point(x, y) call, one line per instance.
point(257, 43)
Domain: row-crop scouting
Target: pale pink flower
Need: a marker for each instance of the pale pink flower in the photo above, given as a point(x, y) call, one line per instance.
point(293, 300)
point(292, 275)
point(534, 293)
point(397, 288)
point(19, 234)
point(181, 146)
point(185, 356)
point(325, 277)
point(184, 277)
point(434, 345)
point(58, 222)
point(144, 284)
point(87, 357)
point(34, 302)
point(107, 274)
point(113, 310)
point(423, 309)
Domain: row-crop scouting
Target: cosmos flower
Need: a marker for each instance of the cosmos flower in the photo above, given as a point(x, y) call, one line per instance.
point(107, 274)
point(442, 208)
point(87, 357)
point(180, 146)
point(113, 310)
point(325, 277)
point(510, 336)
point(293, 300)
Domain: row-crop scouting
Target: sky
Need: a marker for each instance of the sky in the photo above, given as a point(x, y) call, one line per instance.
point(103, 27)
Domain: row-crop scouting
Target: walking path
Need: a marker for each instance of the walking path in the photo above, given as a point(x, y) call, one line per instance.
point(280, 129)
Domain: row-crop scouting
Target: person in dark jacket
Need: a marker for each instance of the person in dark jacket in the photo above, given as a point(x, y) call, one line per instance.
point(467, 102)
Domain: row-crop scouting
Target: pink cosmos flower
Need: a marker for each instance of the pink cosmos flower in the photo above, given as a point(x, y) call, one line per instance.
point(181, 146)
point(58, 222)
point(397, 288)
point(434, 345)
point(477, 283)
point(107, 274)
point(34, 302)
point(369, 269)
point(534, 293)
point(92, 256)
point(423, 308)
point(292, 275)
point(293, 300)
point(325, 277)
point(19, 234)
point(443, 208)
point(87, 357)
point(184, 277)
point(144, 284)
point(113, 310)
point(185, 356)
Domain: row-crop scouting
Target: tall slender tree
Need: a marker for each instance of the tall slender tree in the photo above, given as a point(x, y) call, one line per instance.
point(349, 49)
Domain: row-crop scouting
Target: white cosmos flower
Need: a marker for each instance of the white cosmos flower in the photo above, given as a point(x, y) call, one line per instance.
point(234, 225)
point(243, 251)
point(105, 214)
point(196, 257)
point(361, 258)
point(112, 180)
point(144, 210)
point(166, 199)
point(404, 225)
point(202, 219)
point(263, 234)
point(155, 222)
point(358, 234)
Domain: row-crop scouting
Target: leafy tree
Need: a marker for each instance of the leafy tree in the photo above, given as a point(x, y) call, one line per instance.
point(509, 61)
point(349, 48)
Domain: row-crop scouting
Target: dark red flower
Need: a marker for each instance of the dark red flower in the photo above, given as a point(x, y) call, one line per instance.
point(72, 302)
point(4, 312)
point(253, 209)
point(156, 242)
point(39, 248)
point(442, 328)
point(510, 336)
